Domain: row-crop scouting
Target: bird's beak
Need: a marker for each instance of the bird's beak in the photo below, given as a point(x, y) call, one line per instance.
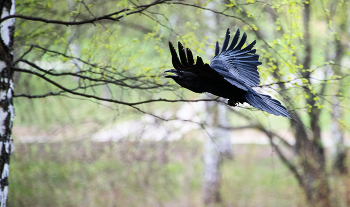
point(172, 71)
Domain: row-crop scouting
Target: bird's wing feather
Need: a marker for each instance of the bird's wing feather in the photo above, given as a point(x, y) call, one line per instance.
point(175, 59)
point(229, 77)
point(186, 63)
point(266, 103)
point(240, 63)
point(205, 71)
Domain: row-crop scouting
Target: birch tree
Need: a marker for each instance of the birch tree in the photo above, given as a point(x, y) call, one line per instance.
point(217, 148)
point(7, 8)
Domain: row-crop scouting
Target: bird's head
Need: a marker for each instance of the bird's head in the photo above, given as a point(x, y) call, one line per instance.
point(186, 79)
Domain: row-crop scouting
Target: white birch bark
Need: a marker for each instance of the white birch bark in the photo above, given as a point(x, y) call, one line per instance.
point(223, 136)
point(217, 146)
point(6, 94)
point(74, 46)
point(212, 159)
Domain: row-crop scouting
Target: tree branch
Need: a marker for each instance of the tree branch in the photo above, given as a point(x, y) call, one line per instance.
point(291, 167)
point(106, 99)
point(107, 17)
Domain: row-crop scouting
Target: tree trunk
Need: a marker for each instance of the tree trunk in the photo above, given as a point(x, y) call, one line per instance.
point(222, 136)
point(73, 45)
point(211, 185)
point(316, 184)
point(313, 156)
point(338, 138)
point(336, 128)
point(6, 93)
point(217, 147)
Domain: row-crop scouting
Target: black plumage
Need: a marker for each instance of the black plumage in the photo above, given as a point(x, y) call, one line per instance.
point(231, 74)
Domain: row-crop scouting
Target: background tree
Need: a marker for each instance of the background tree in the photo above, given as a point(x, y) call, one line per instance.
point(300, 73)
point(123, 48)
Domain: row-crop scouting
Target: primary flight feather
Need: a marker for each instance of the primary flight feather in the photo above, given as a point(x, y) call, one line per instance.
point(231, 74)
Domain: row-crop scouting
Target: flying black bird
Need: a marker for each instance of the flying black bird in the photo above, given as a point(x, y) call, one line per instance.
point(231, 74)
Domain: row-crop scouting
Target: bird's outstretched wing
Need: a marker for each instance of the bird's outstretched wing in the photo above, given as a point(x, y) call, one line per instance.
point(186, 63)
point(265, 103)
point(235, 64)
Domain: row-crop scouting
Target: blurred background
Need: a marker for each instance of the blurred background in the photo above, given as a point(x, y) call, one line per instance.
point(101, 126)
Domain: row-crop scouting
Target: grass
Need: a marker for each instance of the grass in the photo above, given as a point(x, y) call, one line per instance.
point(87, 173)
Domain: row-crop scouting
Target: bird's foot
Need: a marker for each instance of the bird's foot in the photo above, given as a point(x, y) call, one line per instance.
point(233, 103)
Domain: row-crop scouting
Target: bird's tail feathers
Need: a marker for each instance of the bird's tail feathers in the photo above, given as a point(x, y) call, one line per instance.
point(266, 103)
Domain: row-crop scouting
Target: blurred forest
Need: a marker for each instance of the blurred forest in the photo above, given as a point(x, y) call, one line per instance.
point(97, 124)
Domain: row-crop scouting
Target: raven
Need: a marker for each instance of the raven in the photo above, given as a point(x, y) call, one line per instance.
point(231, 74)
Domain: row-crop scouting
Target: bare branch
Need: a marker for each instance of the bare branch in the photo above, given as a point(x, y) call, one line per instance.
point(139, 9)
point(291, 167)
point(106, 99)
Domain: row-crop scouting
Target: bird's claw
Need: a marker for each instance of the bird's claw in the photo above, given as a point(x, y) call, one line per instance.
point(233, 102)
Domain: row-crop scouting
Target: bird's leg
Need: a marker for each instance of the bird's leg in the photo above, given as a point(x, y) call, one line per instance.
point(233, 103)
